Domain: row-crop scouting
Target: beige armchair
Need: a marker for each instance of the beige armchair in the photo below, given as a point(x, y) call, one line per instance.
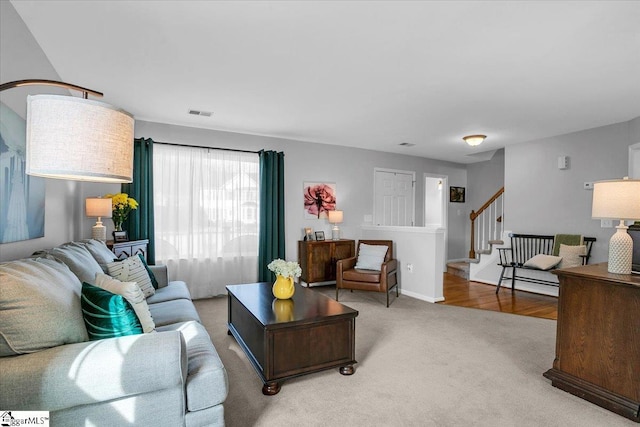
point(384, 280)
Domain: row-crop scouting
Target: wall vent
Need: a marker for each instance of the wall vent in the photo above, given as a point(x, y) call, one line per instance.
point(407, 144)
point(200, 113)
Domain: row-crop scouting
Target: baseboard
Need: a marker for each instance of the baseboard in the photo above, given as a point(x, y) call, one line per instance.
point(420, 296)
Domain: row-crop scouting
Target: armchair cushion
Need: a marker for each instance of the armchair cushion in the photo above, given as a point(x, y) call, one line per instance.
point(371, 257)
point(358, 275)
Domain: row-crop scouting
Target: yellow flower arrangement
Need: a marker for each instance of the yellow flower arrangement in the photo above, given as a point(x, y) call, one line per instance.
point(121, 205)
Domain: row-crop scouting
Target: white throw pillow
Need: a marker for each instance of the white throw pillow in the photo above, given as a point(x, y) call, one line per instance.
point(371, 257)
point(132, 269)
point(543, 262)
point(571, 255)
point(133, 294)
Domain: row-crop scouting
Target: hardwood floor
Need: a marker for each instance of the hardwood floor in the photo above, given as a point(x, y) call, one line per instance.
point(463, 293)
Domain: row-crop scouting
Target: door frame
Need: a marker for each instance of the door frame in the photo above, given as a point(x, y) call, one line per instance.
point(634, 150)
point(445, 210)
point(413, 195)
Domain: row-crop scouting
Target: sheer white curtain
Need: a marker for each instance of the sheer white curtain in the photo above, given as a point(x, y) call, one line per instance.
point(206, 216)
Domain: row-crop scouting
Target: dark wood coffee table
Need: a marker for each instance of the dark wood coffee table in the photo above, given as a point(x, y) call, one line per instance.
point(288, 338)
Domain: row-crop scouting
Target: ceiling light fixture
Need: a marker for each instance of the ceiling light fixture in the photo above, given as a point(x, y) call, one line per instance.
point(474, 140)
point(76, 138)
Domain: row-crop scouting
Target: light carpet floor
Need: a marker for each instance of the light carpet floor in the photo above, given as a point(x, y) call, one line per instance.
point(419, 364)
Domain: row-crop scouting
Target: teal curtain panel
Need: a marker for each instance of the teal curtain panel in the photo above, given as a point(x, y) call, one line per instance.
point(140, 224)
point(271, 237)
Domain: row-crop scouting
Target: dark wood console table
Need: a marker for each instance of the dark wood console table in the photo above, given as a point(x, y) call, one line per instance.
point(598, 338)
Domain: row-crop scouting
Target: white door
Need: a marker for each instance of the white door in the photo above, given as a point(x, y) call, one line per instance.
point(434, 205)
point(394, 197)
point(634, 161)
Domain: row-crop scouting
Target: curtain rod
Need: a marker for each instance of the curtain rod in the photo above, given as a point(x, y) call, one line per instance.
point(202, 146)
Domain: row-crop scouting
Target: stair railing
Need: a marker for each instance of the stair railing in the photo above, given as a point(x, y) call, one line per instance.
point(486, 223)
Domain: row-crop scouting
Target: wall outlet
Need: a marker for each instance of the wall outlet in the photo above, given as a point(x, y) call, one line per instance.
point(410, 268)
point(606, 223)
point(588, 186)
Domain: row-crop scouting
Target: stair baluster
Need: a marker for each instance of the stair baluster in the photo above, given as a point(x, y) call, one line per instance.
point(489, 225)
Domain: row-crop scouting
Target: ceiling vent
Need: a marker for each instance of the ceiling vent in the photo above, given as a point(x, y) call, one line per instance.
point(200, 113)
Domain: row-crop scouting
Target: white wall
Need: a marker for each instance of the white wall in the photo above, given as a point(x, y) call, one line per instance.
point(423, 249)
point(351, 169)
point(541, 199)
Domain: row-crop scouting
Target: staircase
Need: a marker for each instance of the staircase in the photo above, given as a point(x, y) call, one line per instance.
point(486, 225)
point(486, 230)
point(459, 268)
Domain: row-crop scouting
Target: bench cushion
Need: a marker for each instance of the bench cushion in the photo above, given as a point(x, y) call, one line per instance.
point(543, 262)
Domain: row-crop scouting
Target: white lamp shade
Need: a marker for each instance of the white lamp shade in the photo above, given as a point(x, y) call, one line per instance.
point(335, 217)
point(616, 199)
point(78, 139)
point(98, 207)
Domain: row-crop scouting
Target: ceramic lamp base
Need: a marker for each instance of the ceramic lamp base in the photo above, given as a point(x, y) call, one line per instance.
point(335, 232)
point(99, 232)
point(620, 251)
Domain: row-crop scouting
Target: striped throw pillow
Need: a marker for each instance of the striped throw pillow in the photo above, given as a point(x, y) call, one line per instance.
point(132, 269)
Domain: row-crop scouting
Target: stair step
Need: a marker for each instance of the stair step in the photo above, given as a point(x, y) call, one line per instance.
point(484, 251)
point(496, 242)
point(460, 268)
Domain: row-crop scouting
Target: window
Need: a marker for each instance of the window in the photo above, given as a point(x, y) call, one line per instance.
point(206, 224)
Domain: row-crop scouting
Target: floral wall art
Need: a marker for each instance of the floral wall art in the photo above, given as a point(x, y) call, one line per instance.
point(319, 199)
point(21, 196)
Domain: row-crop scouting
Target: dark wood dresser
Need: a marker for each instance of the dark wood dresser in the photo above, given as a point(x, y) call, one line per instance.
point(318, 258)
point(126, 249)
point(598, 338)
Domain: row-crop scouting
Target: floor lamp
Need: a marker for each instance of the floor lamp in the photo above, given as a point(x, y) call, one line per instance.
point(76, 138)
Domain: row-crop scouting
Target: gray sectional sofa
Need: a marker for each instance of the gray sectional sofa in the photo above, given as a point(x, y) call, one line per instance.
point(171, 377)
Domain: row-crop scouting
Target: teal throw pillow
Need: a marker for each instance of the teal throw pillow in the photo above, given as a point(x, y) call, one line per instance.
point(152, 277)
point(107, 315)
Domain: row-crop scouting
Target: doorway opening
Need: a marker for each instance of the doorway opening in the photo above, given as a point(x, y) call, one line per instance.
point(436, 207)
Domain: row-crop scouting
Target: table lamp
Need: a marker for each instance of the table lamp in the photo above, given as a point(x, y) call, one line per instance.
point(335, 218)
point(618, 200)
point(97, 207)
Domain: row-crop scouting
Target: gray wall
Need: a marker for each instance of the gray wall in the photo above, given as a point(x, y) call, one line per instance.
point(484, 179)
point(541, 199)
point(350, 168)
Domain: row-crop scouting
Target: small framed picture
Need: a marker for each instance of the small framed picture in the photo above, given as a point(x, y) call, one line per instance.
point(120, 236)
point(456, 194)
point(319, 236)
point(308, 234)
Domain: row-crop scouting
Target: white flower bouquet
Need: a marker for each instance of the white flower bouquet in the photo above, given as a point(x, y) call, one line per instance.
point(284, 268)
